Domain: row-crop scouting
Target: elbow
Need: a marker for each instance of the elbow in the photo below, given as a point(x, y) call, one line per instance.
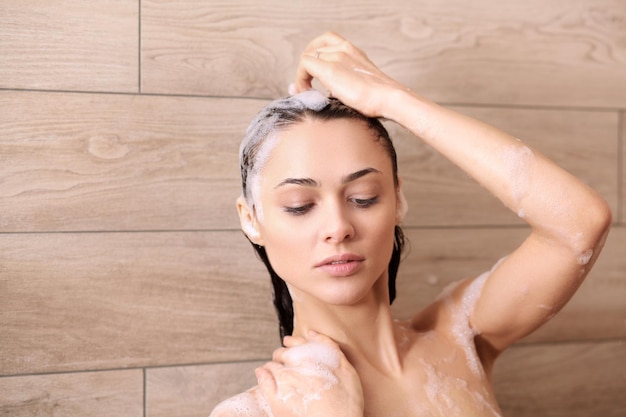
point(600, 219)
point(596, 219)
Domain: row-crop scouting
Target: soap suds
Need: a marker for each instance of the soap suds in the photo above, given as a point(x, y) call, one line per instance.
point(250, 230)
point(585, 257)
point(463, 332)
point(363, 71)
point(486, 404)
point(316, 361)
point(550, 311)
point(436, 391)
point(245, 404)
point(262, 136)
point(518, 159)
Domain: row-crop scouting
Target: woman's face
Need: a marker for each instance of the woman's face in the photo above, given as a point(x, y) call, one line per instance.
point(329, 209)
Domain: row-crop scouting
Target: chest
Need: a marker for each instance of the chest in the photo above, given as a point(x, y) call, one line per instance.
point(440, 380)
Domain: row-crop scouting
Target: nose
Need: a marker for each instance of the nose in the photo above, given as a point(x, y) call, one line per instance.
point(337, 226)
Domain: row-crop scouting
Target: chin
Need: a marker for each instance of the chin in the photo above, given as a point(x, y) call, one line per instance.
point(345, 295)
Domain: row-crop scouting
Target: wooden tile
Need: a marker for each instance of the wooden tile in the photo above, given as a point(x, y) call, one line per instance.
point(70, 45)
point(190, 391)
point(102, 301)
point(531, 53)
point(567, 380)
point(80, 162)
point(439, 257)
point(440, 194)
point(116, 162)
point(572, 379)
point(94, 394)
point(107, 300)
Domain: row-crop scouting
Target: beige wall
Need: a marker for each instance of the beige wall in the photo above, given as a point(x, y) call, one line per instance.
point(126, 288)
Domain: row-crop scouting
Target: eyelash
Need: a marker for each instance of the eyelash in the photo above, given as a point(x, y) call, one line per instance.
point(358, 202)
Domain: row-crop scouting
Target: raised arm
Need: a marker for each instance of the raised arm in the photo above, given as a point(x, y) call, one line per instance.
point(569, 221)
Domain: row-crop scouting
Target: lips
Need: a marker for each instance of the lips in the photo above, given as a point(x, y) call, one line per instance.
point(341, 265)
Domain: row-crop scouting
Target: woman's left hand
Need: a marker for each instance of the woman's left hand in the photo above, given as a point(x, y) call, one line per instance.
point(347, 73)
point(312, 378)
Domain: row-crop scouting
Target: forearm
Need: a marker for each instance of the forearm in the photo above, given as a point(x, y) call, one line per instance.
point(552, 201)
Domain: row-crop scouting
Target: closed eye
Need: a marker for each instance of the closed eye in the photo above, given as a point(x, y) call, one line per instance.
point(364, 202)
point(298, 210)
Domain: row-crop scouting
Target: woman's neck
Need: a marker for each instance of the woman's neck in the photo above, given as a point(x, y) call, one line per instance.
point(365, 331)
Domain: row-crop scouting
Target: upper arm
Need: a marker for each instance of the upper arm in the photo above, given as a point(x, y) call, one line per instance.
point(532, 284)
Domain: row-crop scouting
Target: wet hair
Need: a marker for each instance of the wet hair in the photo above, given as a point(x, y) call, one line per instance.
point(279, 115)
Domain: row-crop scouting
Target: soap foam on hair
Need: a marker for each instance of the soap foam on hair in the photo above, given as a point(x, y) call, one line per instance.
point(262, 132)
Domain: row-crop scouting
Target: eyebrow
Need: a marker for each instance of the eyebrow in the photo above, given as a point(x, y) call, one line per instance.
point(310, 182)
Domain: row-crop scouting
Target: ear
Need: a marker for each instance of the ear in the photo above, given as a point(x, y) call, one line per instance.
point(402, 207)
point(248, 221)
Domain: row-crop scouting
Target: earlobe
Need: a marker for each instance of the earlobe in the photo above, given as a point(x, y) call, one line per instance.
point(248, 221)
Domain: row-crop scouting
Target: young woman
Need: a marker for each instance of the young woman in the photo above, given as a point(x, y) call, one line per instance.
point(322, 203)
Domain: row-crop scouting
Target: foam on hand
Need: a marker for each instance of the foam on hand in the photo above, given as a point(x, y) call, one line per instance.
point(243, 405)
point(316, 361)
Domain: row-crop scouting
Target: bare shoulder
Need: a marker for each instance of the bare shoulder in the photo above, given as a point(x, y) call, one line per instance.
point(437, 314)
point(246, 404)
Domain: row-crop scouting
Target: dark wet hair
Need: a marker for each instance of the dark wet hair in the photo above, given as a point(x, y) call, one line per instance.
point(280, 115)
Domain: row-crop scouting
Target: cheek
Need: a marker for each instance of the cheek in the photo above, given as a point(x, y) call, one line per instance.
point(286, 250)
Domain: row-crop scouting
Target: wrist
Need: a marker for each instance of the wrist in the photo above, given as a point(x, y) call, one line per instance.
point(410, 110)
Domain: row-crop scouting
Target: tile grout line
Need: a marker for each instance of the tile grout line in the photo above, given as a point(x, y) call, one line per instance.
point(145, 392)
point(139, 48)
point(621, 158)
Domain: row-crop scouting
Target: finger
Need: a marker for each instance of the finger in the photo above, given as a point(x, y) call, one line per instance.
point(324, 40)
point(312, 335)
point(311, 67)
point(278, 353)
point(291, 341)
point(267, 382)
point(303, 78)
point(329, 41)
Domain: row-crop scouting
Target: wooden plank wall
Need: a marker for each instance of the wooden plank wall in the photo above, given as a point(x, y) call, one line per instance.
point(125, 286)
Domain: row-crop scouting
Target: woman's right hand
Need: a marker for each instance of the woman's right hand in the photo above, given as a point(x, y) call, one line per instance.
point(310, 378)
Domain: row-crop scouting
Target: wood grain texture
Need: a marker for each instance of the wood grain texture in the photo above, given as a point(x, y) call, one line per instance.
point(568, 380)
point(70, 45)
point(73, 162)
point(187, 391)
point(553, 380)
point(102, 301)
point(441, 256)
point(440, 194)
point(82, 162)
point(94, 394)
point(91, 301)
point(531, 53)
